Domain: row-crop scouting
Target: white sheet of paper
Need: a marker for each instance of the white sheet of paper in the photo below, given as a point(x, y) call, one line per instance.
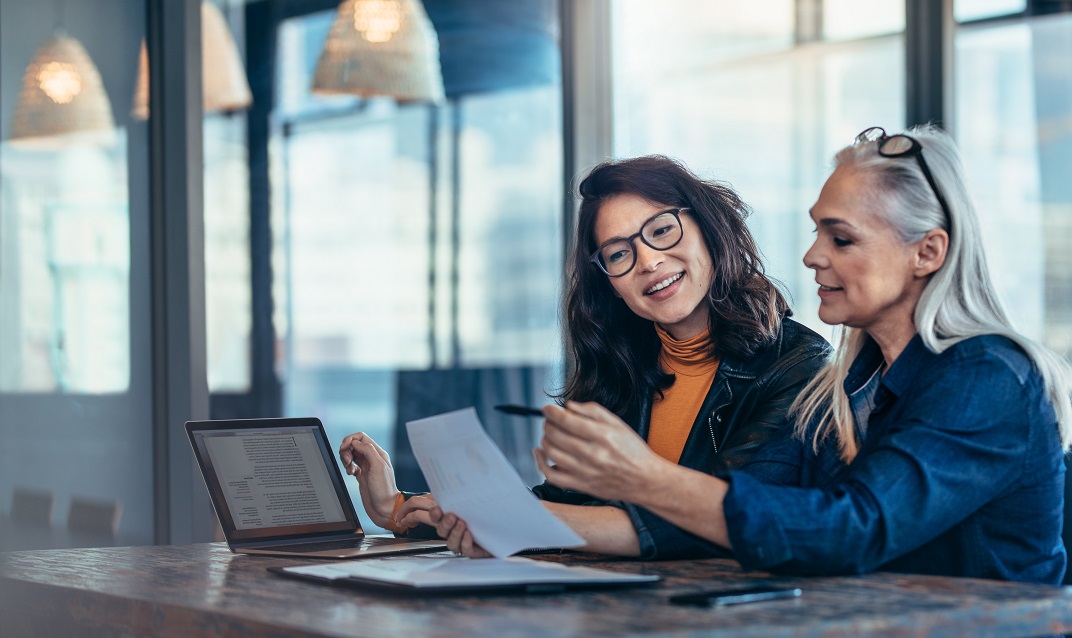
point(471, 477)
point(459, 572)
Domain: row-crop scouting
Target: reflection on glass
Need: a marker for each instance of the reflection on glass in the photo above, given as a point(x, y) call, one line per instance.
point(65, 259)
point(418, 248)
point(1013, 97)
point(357, 230)
point(767, 123)
point(228, 317)
point(676, 34)
point(850, 19)
point(511, 168)
point(965, 10)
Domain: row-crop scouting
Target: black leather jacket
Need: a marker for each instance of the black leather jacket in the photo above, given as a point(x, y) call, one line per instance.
point(746, 406)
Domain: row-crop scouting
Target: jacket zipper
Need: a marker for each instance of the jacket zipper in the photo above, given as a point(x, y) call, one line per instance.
point(711, 429)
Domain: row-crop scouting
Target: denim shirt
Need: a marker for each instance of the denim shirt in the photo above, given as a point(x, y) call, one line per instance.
point(959, 473)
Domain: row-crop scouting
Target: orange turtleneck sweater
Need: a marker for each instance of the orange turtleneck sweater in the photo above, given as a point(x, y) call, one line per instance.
point(693, 364)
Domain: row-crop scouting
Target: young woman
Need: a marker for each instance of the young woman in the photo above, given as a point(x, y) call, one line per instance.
point(933, 441)
point(674, 328)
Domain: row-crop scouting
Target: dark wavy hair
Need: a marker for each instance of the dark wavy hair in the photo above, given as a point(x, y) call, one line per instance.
point(613, 352)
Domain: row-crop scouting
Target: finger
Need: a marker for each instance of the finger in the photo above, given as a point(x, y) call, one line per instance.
point(446, 524)
point(374, 448)
point(413, 519)
point(344, 452)
point(470, 548)
point(571, 425)
point(566, 453)
point(542, 458)
point(556, 474)
point(363, 452)
point(454, 538)
point(589, 409)
point(354, 449)
point(564, 438)
point(415, 504)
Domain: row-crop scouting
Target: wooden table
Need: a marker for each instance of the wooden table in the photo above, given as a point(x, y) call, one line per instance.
point(204, 590)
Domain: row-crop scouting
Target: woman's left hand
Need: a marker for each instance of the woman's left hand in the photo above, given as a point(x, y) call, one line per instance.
point(586, 447)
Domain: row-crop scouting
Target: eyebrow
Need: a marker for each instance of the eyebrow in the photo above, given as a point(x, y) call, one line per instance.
point(831, 221)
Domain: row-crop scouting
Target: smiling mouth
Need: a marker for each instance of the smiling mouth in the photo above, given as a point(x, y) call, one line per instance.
point(664, 283)
point(823, 288)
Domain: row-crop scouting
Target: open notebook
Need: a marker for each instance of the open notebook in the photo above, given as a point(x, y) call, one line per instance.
point(277, 490)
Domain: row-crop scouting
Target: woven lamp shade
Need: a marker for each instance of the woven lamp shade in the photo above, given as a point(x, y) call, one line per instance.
point(61, 94)
point(224, 85)
point(381, 47)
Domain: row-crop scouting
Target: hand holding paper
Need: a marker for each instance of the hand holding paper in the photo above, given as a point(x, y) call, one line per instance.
point(471, 478)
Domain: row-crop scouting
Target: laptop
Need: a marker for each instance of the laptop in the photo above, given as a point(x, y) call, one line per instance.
point(277, 490)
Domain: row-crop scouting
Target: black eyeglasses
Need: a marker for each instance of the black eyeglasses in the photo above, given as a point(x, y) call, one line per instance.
point(662, 231)
point(902, 145)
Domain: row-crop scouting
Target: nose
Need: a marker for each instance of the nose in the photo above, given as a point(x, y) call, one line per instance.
point(648, 259)
point(814, 258)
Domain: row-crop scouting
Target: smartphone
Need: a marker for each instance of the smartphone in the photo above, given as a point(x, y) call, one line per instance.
point(735, 596)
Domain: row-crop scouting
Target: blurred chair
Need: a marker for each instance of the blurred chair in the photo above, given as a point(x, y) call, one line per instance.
point(95, 517)
point(31, 507)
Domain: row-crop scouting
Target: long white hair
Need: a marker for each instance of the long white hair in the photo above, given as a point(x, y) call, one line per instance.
point(959, 300)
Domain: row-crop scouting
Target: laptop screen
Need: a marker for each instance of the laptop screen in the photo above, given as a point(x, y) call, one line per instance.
point(272, 479)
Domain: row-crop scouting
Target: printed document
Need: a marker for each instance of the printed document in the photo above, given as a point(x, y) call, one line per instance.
point(432, 572)
point(471, 477)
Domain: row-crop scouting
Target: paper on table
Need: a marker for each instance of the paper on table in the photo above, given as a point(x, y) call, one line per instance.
point(461, 572)
point(470, 477)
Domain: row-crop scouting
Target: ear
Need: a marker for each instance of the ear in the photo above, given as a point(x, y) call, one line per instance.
point(931, 252)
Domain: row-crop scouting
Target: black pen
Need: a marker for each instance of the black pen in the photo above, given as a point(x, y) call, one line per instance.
point(519, 410)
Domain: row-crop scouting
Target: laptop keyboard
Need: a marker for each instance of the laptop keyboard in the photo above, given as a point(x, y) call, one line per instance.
point(345, 543)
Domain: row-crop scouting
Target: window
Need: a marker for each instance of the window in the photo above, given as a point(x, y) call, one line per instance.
point(227, 253)
point(65, 264)
point(417, 248)
point(75, 345)
point(738, 101)
point(1013, 103)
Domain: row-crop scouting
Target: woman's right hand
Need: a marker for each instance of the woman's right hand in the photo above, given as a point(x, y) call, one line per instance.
point(456, 533)
point(366, 461)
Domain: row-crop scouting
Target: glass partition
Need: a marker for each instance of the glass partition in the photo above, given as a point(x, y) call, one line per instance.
point(1013, 105)
point(417, 246)
point(75, 361)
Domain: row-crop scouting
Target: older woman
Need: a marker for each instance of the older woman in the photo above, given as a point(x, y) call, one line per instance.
point(933, 441)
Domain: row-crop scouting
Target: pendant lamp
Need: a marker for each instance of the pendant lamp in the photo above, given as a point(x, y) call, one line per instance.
point(62, 94)
point(224, 85)
point(381, 47)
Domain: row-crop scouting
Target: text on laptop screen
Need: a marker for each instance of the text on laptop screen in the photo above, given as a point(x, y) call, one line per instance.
point(273, 479)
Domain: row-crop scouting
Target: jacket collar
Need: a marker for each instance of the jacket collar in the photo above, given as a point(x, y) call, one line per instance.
point(914, 357)
point(751, 366)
